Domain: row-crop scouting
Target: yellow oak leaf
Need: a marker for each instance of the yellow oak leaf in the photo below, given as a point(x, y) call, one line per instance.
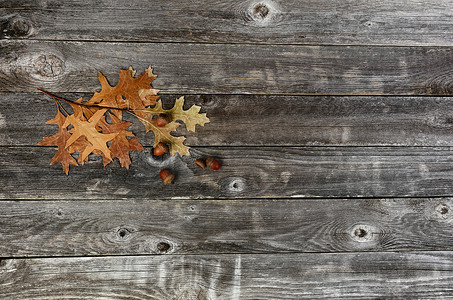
point(163, 134)
point(190, 117)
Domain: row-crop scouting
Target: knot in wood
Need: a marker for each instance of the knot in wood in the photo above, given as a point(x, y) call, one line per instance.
point(48, 65)
point(362, 233)
point(236, 185)
point(208, 101)
point(163, 247)
point(21, 27)
point(439, 85)
point(8, 266)
point(15, 28)
point(123, 233)
point(443, 211)
point(260, 11)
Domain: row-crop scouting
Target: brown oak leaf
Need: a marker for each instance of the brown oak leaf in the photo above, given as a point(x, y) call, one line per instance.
point(86, 131)
point(60, 139)
point(87, 128)
point(121, 145)
point(130, 92)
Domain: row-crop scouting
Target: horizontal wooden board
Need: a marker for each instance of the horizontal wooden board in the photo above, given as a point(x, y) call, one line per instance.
point(246, 172)
point(259, 120)
point(417, 275)
point(116, 227)
point(229, 69)
point(398, 22)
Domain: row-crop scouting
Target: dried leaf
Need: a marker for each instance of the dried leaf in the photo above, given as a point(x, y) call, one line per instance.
point(190, 117)
point(130, 92)
point(88, 129)
point(60, 139)
point(163, 134)
point(91, 133)
point(121, 145)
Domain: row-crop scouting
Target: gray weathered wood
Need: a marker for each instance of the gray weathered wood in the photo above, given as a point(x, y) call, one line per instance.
point(386, 22)
point(251, 120)
point(117, 227)
point(246, 172)
point(229, 69)
point(416, 275)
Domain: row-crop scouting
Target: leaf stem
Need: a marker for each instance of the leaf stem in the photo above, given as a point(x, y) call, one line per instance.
point(82, 104)
point(128, 110)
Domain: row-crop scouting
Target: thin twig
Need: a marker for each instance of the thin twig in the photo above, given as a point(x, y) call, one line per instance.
point(128, 110)
point(82, 104)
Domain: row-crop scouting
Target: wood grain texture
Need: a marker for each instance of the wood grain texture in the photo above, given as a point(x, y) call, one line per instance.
point(274, 121)
point(416, 275)
point(399, 22)
point(246, 172)
point(116, 227)
point(229, 69)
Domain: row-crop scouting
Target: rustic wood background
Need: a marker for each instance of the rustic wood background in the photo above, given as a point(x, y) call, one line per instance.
point(332, 119)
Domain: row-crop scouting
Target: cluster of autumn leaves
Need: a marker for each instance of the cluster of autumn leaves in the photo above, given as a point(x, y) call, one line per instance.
point(97, 125)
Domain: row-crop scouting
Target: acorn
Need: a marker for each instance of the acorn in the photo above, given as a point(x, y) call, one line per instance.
point(162, 120)
point(166, 176)
point(160, 149)
point(212, 163)
point(200, 163)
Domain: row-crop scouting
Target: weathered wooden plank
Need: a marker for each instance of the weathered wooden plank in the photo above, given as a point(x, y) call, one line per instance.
point(416, 275)
point(246, 172)
point(399, 22)
point(229, 69)
point(116, 227)
point(242, 120)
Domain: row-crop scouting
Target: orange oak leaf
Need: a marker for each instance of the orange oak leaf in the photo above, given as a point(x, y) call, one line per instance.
point(130, 92)
point(79, 146)
point(87, 128)
point(121, 145)
point(60, 139)
point(86, 131)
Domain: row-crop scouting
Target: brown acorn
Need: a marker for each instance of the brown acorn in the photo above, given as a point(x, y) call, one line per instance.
point(166, 176)
point(162, 120)
point(212, 163)
point(160, 149)
point(200, 163)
